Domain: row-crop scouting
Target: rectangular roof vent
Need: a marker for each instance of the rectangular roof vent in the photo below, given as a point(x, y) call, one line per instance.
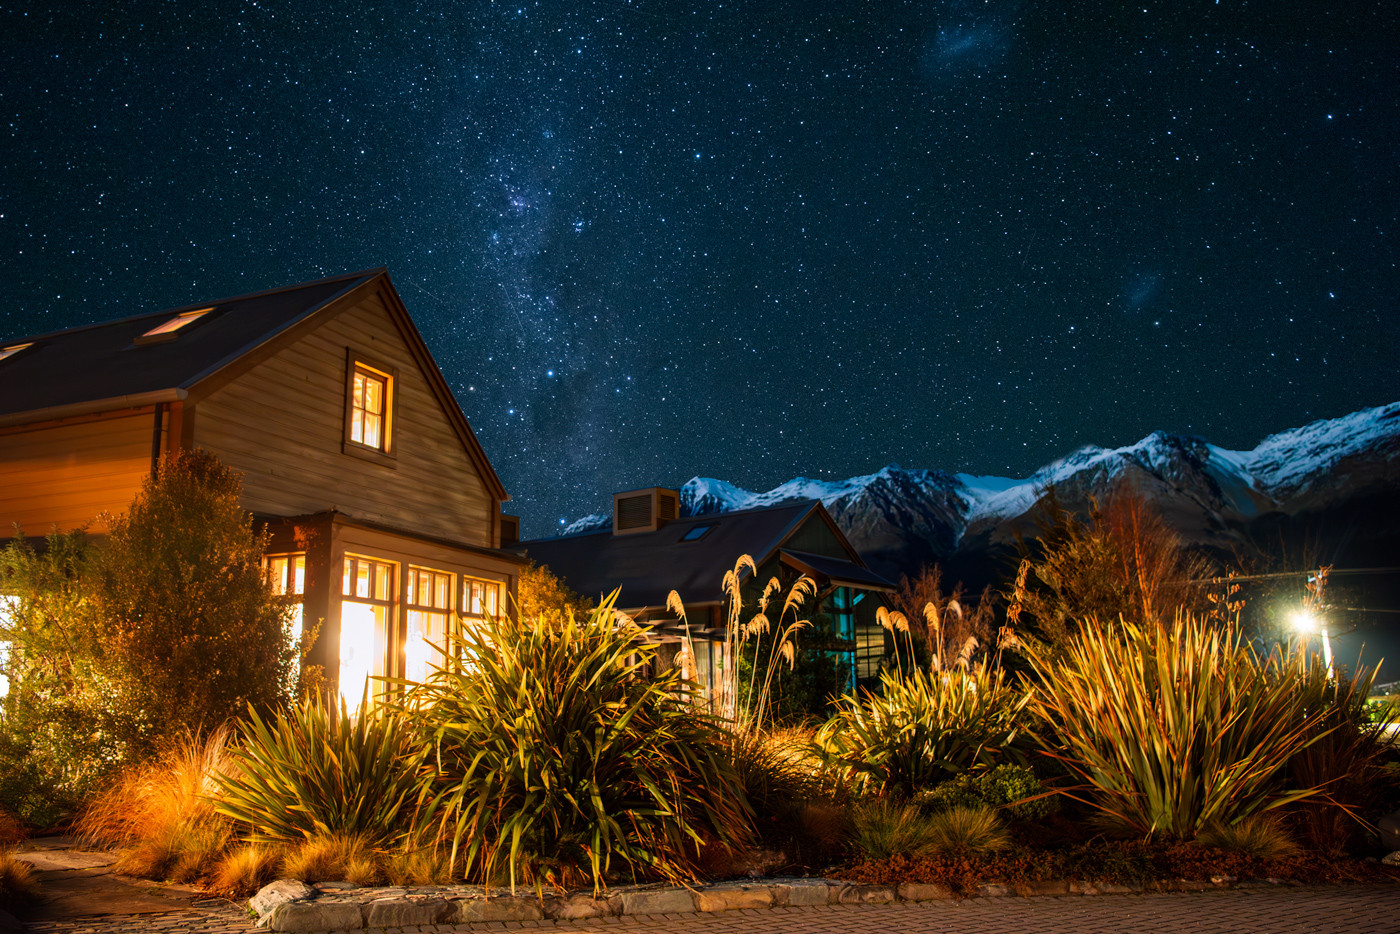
point(644, 510)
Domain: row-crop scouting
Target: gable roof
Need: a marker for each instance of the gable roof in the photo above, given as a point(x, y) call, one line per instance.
point(649, 565)
point(101, 367)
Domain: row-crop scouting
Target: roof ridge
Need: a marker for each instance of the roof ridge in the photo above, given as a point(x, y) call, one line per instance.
point(212, 303)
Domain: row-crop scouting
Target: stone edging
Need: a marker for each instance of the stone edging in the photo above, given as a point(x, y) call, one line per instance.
point(296, 908)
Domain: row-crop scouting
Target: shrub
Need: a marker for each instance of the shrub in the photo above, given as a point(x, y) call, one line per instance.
point(1011, 788)
point(555, 760)
point(1174, 728)
point(18, 889)
point(317, 771)
point(924, 728)
point(1347, 763)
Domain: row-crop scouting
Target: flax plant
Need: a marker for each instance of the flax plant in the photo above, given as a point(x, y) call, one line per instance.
point(1176, 728)
point(318, 771)
point(923, 728)
point(555, 761)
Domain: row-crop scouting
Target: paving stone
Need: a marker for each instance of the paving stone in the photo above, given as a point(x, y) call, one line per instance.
point(865, 895)
point(802, 894)
point(299, 917)
point(501, 908)
point(923, 891)
point(278, 893)
point(732, 897)
point(405, 912)
point(658, 902)
point(576, 907)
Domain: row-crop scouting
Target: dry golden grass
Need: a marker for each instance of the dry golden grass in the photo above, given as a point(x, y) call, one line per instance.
point(245, 870)
point(1261, 836)
point(334, 858)
point(11, 830)
point(18, 887)
point(149, 801)
point(418, 867)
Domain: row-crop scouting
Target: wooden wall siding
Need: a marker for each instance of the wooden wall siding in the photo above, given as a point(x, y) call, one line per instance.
point(282, 424)
point(815, 537)
point(66, 475)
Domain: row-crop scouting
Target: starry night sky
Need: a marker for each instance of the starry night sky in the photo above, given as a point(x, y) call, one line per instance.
point(648, 240)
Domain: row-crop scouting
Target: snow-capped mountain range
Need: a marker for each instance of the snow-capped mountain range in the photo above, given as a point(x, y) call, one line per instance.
point(899, 517)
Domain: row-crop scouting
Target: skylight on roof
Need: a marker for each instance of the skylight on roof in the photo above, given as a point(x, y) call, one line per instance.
point(8, 352)
point(166, 330)
point(697, 533)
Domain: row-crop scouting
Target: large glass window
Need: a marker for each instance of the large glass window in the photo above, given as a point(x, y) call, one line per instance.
point(480, 597)
point(369, 407)
point(429, 604)
point(287, 575)
point(366, 613)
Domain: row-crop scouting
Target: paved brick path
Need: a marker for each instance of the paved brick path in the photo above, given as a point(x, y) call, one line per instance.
point(1353, 910)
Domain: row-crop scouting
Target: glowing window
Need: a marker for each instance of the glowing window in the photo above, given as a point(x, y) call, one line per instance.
point(8, 352)
point(366, 611)
point(429, 605)
point(369, 407)
point(287, 576)
point(480, 597)
point(166, 330)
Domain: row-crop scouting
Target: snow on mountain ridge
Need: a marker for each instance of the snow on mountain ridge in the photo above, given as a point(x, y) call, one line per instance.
point(1243, 482)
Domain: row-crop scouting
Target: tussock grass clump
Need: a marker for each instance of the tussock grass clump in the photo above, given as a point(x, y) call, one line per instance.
point(883, 829)
point(970, 829)
point(334, 858)
point(18, 888)
point(155, 799)
point(1262, 836)
point(246, 869)
point(418, 867)
point(161, 814)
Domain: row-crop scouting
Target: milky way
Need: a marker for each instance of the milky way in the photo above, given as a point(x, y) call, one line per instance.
point(646, 240)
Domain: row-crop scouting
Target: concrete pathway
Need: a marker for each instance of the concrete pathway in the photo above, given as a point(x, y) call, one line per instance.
point(87, 898)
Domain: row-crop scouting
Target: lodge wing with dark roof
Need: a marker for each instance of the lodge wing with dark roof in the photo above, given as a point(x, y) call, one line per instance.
point(691, 555)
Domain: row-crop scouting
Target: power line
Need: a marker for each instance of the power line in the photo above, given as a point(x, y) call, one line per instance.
point(1280, 575)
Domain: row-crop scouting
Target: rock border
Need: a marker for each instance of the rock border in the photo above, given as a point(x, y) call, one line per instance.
point(296, 908)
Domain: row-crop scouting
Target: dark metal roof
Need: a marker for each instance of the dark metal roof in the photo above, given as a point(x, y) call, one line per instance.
point(649, 565)
point(836, 570)
point(102, 361)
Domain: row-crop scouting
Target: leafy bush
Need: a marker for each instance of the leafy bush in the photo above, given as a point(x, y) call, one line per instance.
point(1011, 788)
point(555, 760)
point(1174, 728)
point(316, 771)
point(191, 631)
point(924, 728)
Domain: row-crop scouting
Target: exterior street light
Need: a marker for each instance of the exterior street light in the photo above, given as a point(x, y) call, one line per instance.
point(1307, 622)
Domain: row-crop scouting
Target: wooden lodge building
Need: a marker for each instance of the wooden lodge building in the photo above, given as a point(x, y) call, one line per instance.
point(650, 550)
point(384, 512)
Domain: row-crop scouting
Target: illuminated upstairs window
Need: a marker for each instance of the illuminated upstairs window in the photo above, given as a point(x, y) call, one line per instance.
point(166, 331)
